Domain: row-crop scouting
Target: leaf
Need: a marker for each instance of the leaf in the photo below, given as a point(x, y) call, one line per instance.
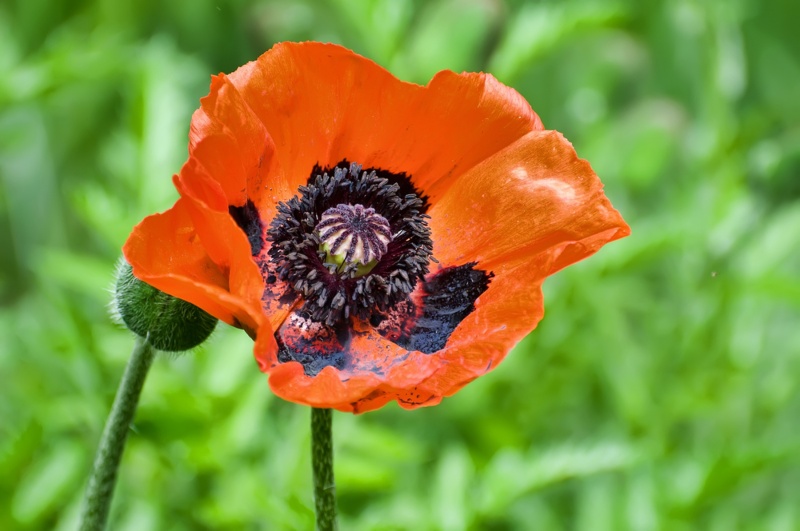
point(539, 28)
point(45, 485)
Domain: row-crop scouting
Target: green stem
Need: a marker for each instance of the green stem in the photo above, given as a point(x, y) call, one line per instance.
point(322, 464)
point(112, 443)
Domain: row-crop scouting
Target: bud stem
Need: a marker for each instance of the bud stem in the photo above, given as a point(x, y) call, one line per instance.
point(322, 465)
point(112, 443)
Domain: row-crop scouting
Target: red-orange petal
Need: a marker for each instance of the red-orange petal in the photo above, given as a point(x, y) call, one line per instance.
point(523, 214)
point(165, 251)
point(322, 103)
point(236, 150)
point(226, 243)
point(533, 196)
point(377, 371)
point(511, 307)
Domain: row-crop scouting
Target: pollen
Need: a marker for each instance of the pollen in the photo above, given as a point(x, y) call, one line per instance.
point(354, 234)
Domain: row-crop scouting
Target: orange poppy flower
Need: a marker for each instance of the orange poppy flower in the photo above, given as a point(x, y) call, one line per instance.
point(380, 240)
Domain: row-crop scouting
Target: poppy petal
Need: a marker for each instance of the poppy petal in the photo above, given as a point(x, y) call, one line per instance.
point(435, 310)
point(572, 219)
point(235, 149)
point(492, 210)
point(322, 103)
point(186, 271)
point(230, 246)
point(232, 168)
point(498, 323)
point(357, 371)
point(531, 197)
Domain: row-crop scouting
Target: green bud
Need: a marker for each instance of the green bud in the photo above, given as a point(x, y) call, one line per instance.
point(169, 323)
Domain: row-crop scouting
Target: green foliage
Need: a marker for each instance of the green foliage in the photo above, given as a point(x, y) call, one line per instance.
point(660, 391)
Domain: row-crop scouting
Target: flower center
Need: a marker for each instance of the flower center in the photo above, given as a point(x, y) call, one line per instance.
point(351, 244)
point(353, 235)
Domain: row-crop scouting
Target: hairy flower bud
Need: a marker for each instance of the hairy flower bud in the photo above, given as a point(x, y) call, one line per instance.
point(169, 323)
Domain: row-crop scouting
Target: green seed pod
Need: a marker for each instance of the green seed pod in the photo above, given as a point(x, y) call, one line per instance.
point(170, 324)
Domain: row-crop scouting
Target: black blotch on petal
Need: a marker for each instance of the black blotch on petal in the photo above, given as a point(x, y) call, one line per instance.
point(402, 180)
point(287, 298)
point(312, 344)
point(272, 289)
point(449, 296)
point(248, 219)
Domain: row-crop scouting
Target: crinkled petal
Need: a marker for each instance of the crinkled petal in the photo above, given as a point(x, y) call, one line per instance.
point(166, 252)
point(321, 103)
point(374, 372)
point(533, 196)
point(523, 214)
point(235, 149)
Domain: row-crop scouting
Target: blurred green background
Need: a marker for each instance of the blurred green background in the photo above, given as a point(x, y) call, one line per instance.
point(659, 392)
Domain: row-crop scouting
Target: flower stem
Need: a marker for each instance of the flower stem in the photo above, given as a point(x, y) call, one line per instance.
point(322, 465)
point(104, 475)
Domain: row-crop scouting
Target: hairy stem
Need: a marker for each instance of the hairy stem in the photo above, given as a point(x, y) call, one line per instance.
point(322, 465)
point(104, 475)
